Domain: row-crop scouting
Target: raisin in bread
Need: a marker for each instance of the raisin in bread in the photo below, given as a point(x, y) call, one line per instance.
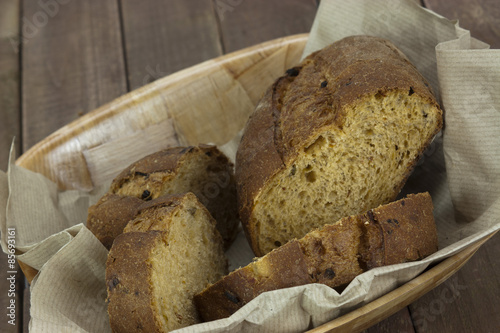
point(334, 255)
point(337, 135)
point(202, 170)
point(168, 253)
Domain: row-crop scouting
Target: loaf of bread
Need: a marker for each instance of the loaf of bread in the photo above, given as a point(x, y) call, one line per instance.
point(202, 170)
point(168, 253)
point(337, 135)
point(334, 255)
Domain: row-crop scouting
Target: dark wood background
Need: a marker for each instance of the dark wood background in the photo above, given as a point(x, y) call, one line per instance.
point(60, 59)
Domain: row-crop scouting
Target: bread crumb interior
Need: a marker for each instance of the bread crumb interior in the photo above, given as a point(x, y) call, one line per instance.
point(188, 260)
point(346, 170)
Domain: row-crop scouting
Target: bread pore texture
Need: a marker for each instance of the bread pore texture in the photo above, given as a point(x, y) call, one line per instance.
point(337, 135)
point(168, 253)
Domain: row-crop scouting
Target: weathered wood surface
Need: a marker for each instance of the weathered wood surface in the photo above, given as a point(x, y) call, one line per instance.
point(163, 37)
point(74, 56)
point(72, 62)
point(481, 17)
point(11, 284)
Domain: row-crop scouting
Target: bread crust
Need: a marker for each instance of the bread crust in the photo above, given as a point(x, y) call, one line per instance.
point(277, 131)
point(128, 282)
point(129, 269)
point(169, 160)
point(165, 205)
point(288, 267)
point(107, 218)
point(409, 241)
point(398, 232)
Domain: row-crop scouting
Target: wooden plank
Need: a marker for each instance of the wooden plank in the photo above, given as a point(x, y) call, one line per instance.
point(163, 37)
point(72, 62)
point(11, 284)
point(399, 322)
point(481, 17)
point(246, 23)
point(11, 289)
point(469, 301)
point(9, 79)
point(26, 306)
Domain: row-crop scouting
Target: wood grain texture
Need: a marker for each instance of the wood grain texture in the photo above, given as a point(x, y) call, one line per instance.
point(163, 37)
point(244, 23)
point(10, 45)
point(400, 322)
point(72, 63)
point(481, 17)
point(26, 308)
point(9, 79)
point(469, 301)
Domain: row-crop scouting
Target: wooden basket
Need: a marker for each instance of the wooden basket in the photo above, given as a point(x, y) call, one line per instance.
point(209, 102)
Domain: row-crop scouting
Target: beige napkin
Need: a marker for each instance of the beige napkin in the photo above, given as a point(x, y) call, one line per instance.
point(460, 170)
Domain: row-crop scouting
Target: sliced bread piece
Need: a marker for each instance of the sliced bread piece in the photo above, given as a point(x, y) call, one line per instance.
point(337, 135)
point(334, 255)
point(202, 170)
point(168, 253)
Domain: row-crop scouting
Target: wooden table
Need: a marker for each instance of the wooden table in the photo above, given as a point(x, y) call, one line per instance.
point(60, 59)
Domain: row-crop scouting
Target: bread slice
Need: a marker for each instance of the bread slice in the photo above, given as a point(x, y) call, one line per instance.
point(107, 218)
point(337, 135)
point(334, 255)
point(168, 253)
point(202, 170)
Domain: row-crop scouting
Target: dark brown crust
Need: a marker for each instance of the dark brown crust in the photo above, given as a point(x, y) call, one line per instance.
point(165, 206)
point(107, 218)
point(172, 201)
point(128, 271)
point(353, 68)
point(222, 299)
point(414, 239)
point(332, 255)
point(128, 282)
point(167, 160)
point(106, 224)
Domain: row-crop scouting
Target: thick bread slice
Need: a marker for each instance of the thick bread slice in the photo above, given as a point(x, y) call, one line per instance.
point(171, 251)
point(107, 218)
point(333, 255)
point(202, 170)
point(337, 135)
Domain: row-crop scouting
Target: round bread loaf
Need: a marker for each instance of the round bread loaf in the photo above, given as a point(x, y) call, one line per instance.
point(335, 136)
